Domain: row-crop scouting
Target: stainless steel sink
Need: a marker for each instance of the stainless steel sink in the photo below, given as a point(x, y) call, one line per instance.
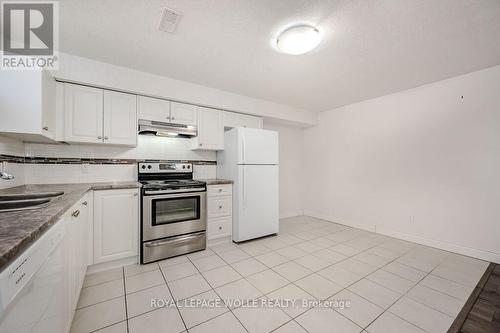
point(23, 201)
point(14, 205)
point(29, 196)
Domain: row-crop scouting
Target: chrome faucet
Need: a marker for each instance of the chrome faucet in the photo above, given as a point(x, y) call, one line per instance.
point(4, 175)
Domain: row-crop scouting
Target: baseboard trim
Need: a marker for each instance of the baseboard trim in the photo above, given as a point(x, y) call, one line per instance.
point(286, 215)
point(451, 247)
point(442, 245)
point(112, 264)
point(328, 218)
point(218, 241)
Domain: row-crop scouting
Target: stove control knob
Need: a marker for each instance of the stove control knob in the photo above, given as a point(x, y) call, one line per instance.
point(149, 166)
point(144, 167)
point(189, 167)
point(184, 167)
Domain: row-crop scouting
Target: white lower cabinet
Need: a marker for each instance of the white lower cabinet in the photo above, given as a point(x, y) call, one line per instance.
point(39, 291)
point(77, 241)
point(219, 208)
point(116, 224)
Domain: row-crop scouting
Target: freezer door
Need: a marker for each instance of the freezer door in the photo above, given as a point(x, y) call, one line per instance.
point(257, 146)
point(257, 212)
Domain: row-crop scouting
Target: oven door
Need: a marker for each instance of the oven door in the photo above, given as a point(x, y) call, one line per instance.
point(168, 215)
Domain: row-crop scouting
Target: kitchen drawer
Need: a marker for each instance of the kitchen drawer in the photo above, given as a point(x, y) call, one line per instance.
point(219, 227)
point(216, 190)
point(220, 206)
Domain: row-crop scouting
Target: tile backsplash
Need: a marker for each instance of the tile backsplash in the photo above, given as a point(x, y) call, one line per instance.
point(94, 173)
point(75, 163)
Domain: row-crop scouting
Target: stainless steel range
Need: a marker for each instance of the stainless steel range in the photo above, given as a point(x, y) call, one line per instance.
point(173, 211)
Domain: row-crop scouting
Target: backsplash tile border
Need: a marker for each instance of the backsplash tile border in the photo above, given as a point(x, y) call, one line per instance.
point(63, 160)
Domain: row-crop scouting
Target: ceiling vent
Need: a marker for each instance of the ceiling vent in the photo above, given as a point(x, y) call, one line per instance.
point(169, 20)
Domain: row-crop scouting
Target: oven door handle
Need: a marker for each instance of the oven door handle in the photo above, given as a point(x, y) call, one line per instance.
point(176, 240)
point(187, 190)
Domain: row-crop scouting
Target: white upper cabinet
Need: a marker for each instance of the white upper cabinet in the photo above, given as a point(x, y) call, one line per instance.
point(94, 115)
point(185, 114)
point(170, 112)
point(153, 109)
point(210, 130)
point(120, 118)
point(28, 105)
point(83, 116)
point(233, 119)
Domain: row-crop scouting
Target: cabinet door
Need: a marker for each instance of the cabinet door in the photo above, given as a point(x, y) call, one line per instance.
point(219, 206)
point(72, 253)
point(82, 221)
point(233, 119)
point(219, 227)
point(83, 114)
point(120, 118)
point(27, 105)
point(184, 114)
point(153, 109)
point(48, 105)
point(210, 130)
point(116, 224)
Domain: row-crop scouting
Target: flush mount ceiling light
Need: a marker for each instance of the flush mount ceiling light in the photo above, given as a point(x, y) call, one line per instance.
point(298, 39)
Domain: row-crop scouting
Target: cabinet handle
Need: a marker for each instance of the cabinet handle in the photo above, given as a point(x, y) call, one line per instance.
point(172, 118)
point(220, 190)
point(84, 203)
point(201, 144)
point(20, 278)
point(75, 213)
point(220, 207)
point(105, 138)
point(46, 128)
point(220, 228)
point(99, 137)
point(135, 194)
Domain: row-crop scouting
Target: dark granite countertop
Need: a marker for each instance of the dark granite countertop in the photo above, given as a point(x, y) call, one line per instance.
point(217, 181)
point(20, 229)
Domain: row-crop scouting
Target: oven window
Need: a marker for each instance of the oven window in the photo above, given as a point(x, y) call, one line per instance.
point(173, 210)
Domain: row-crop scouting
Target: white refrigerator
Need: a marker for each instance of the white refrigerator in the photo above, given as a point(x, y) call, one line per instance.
point(250, 158)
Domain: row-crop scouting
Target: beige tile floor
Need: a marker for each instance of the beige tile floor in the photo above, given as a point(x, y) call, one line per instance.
point(390, 286)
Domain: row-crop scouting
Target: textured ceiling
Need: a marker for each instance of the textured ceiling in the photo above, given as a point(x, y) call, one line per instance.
point(370, 48)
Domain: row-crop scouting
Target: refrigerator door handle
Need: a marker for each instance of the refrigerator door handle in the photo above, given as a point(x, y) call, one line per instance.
point(244, 189)
point(243, 147)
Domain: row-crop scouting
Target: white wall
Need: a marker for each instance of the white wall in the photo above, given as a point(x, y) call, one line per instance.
point(291, 142)
point(423, 165)
point(83, 70)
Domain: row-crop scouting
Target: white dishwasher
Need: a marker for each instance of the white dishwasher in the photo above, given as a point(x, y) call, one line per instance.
point(32, 288)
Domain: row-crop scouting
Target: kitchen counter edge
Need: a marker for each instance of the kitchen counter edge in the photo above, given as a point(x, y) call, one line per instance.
point(217, 181)
point(20, 229)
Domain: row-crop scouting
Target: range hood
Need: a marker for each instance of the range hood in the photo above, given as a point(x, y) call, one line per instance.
point(158, 128)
